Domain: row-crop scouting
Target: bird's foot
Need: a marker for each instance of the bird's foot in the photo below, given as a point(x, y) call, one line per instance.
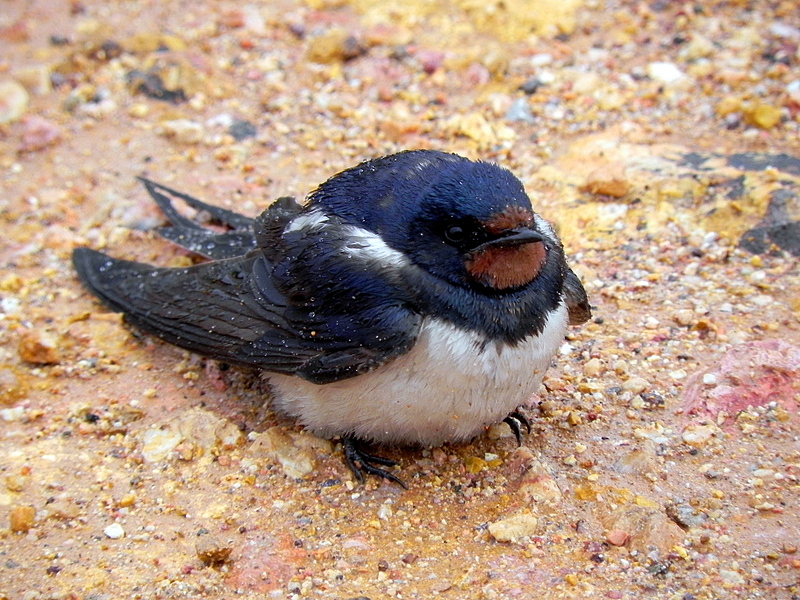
point(360, 462)
point(514, 419)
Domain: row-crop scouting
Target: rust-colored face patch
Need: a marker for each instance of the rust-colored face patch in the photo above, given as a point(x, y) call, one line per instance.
point(506, 267)
point(511, 218)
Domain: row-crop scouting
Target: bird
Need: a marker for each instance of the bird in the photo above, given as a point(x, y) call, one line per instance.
point(414, 299)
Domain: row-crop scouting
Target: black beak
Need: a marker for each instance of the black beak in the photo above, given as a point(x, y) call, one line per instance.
point(515, 237)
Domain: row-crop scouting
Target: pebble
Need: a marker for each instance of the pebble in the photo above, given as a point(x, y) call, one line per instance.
point(334, 45)
point(213, 552)
point(38, 347)
point(12, 385)
point(520, 111)
point(38, 133)
point(114, 531)
point(684, 317)
point(636, 385)
point(158, 443)
point(513, 528)
point(196, 432)
point(9, 415)
point(666, 73)
point(63, 510)
point(531, 85)
point(537, 486)
point(586, 83)
point(183, 131)
point(763, 116)
point(608, 180)
point(13, 101)
point(617, 537)
point(699, 435)
point(21, 518)
point(36, 79)
point(294, 452)
point(638, 462)
point(698, 47)
point(593, 367)
point(241, 130)
point(731, 578)
point(686, 515)
point(648, 528)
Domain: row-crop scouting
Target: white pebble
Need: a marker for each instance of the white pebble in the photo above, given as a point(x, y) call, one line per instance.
point(710, 379)
point(114, 531)
point(665, 72)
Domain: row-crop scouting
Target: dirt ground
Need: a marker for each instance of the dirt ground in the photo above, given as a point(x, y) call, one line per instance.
point(663, 138)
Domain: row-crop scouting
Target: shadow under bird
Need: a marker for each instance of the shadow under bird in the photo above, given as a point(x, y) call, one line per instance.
point(415, 299)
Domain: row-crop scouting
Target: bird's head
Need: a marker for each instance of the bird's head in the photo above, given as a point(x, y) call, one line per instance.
point(469, 223)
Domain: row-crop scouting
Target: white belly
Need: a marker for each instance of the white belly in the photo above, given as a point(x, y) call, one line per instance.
point(446, 388)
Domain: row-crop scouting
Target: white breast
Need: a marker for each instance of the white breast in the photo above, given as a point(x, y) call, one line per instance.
point(446, 388)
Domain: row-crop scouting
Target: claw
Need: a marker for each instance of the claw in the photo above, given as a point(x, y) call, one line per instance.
point(360, 462)
point(514, 419)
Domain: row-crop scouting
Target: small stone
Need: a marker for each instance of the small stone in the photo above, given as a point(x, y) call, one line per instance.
point(335, 45)
point(531, 85)
point(587, 83)
point(699, 435)
point(636, 385)
point(114, 531)
point(666, 73)
point(684, 317)
point(13, 101)
point(213, 552)
point(763, 116)
point(709, 379)
point(21, 518)
point(241, 130)
point(593, 367)
point(537, 486)
point(731, 578)
point(12, 385)
point(513, 528)
point(38, 347)
point(139, 110)
point(637, 462)
point(617, 537)
point(183, 131)
point(728, 105)
point(474, 464)
point(35, 79)
point(294, 452)
point(127, 500)
point(608, 180)
point(157, 443)
point(62, 509)
point(15, 482)
point(686, 516)
point(648, 528)
point(38, 133)
point(520, 111)
point(698, 47)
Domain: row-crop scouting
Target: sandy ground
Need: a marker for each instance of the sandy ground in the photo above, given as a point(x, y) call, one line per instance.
point(664, 457)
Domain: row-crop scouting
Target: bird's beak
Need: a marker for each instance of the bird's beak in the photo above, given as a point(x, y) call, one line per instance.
point(515, 237)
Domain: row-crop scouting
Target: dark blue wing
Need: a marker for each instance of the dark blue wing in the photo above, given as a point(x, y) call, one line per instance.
point(310, 311)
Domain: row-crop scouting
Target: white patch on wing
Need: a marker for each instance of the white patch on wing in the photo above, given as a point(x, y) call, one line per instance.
point(448, 387)
point(364, 244)
point(311, 221)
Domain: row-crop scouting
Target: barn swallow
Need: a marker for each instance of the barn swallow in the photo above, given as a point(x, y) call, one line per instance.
point(414, 299)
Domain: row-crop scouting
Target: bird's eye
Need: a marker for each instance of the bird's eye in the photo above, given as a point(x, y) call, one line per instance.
point(455, 234)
